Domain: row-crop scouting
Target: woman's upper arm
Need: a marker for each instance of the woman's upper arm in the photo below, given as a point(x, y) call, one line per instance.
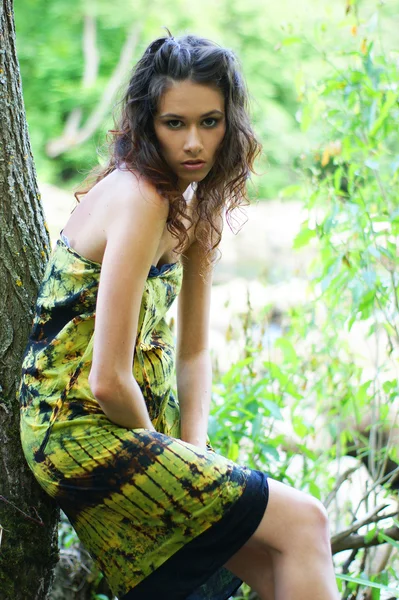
point(133, 233)
point(194, 305)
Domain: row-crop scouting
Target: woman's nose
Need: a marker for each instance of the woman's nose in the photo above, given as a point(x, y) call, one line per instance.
point(193, 141)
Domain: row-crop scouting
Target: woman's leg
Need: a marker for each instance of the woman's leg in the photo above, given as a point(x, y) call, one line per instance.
point(254, 566)
point(294, 530)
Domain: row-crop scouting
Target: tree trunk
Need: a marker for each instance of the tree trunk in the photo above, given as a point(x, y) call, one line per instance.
point(28, 517)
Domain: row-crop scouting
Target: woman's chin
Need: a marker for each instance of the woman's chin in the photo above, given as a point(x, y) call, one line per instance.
point(188, 178)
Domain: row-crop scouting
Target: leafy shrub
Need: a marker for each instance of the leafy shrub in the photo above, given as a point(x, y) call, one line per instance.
point(328, 387)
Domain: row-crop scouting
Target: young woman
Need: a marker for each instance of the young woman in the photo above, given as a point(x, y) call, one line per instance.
point(162, 514)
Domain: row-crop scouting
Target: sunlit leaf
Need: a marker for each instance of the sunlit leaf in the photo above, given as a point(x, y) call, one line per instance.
point(368, 583)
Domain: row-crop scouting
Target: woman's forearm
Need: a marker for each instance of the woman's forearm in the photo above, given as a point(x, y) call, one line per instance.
point(122, 402)
point(194, 386)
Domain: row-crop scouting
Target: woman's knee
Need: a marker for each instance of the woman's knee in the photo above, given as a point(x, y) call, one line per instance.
point(315, 518)
point(292, 520)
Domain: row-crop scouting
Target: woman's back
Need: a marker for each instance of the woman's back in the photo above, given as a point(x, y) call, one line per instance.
point(86, 226)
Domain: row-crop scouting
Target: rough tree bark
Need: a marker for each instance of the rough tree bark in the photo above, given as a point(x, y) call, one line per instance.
point(28, 517)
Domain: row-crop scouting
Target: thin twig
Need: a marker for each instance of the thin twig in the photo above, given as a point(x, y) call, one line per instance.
point(371, 517)
point(341, 479)
point(388, 478)
point(349, 561)
point(37, 521)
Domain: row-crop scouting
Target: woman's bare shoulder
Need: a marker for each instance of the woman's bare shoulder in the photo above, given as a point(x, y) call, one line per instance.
point(125, 188)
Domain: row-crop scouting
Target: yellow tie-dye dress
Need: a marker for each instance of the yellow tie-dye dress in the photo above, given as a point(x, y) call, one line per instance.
point(158, 515)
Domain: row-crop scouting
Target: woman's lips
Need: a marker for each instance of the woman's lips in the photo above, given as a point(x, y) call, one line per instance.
point(194, 166)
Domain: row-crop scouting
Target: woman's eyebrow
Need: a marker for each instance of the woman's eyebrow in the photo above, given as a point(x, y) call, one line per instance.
point(211, 112)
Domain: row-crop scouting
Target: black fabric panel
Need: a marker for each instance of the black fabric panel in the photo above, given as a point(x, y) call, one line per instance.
point(196, 570)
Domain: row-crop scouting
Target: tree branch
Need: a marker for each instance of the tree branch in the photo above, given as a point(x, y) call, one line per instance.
point(90, 52)
point(355, 542)
point(73, 136)
point(369, 518)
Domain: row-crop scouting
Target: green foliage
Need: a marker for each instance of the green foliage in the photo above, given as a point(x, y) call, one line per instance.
point(372, 583)
point(274, 47)
point(335, 399)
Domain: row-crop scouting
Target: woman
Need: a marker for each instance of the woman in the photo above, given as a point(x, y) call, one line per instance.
point(160, 512)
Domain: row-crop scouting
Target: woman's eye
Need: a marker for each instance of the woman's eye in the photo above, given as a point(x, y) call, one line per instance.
point(173, 121)
point(209, 123)
point(212, 124)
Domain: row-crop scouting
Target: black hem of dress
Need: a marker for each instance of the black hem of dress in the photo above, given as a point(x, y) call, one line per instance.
point(201, 560)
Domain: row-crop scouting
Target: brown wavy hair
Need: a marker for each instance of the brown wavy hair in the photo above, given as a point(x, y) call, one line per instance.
point(133, 144)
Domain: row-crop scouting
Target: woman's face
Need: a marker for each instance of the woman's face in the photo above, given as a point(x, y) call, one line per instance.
point(190, 125)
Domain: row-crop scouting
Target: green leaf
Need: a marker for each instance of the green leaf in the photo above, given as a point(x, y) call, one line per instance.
point(351, 321)
point(69, 539)
point(375, 594)
point(291, 191)
point(233, 451)
point(389, 385)
point(392, 98)
point(305, 118)
point(361, 394)
point(314, 490)
point(276, 372)
point(271, 450)
point(293, 39)
point(337, 179)
point(290, 355)
point(368, 583)
point(366, 304)
point(273, 409)
point(303, 238)
point(370, 535)
point(256, 426)
point(299, 427)
point(388, 539)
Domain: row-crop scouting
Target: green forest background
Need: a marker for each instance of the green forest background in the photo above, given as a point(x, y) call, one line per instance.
point(324, 86)
point(283, 48)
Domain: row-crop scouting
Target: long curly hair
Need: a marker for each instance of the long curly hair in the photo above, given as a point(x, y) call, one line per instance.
point(133, 144)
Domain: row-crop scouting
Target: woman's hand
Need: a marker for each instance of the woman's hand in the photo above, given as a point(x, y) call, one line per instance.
point(196, 441)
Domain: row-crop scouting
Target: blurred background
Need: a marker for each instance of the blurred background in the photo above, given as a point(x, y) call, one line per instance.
point(305, 330)
point(75, 57)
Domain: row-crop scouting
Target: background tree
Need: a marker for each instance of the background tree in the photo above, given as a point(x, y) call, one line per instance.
point(28, 517)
